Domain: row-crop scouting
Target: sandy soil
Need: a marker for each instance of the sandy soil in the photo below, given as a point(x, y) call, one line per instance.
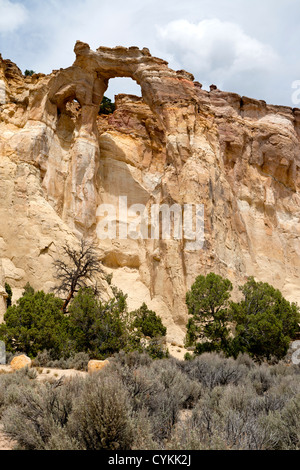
point(59, 373)
point(177, 351)
point(5, 442)
point(45, 373)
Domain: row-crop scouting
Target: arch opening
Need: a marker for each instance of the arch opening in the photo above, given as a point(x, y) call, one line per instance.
point(122, 85)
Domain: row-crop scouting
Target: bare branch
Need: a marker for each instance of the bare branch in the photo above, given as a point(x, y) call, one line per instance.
point(80, 267)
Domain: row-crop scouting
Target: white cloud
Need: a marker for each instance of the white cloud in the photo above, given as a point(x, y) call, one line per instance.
point(231, 51)
point(12, 15)
point(215, 51)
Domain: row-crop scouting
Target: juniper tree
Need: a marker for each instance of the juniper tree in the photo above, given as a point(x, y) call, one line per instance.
point(265, 322)
point(208, 304)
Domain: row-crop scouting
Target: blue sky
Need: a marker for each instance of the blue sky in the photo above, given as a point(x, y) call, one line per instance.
point(250, 47)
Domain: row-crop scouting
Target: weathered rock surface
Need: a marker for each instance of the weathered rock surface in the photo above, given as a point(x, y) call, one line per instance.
point(19, 362)
point(59, 160)
point(3, 294)
point(96, 366)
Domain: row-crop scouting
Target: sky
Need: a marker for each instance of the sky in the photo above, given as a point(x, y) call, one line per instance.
point(250, 47)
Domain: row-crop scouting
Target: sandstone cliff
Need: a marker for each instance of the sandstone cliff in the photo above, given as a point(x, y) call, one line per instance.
point(59, 160)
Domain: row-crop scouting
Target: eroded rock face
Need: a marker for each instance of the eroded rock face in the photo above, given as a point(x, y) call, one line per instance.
point(3, 294)
point(59, 161)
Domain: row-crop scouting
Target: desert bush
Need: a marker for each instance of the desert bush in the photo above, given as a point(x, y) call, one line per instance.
point(144, 438)
point(82, 414)
point(43, 359)
point(133, 359)
point(210, 402)
point(200, 430)
point(160, 390)
point(101, 417)
point(174, 381)
point(261, 379)
point(282, 428)
point(230, 417)
point(245, 359)
point(11, 385)
point(212, 369)
point(78, 361)
point(261, 413)
point(40, 413)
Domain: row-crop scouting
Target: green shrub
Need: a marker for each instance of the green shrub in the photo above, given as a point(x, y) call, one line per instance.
point(208, 303)
point(148, 322)
point(9, 293)
point(265, 321)
point(100, 329)
point(107, 107)
point(29, 73)
point(34, 324)
point(94, 328)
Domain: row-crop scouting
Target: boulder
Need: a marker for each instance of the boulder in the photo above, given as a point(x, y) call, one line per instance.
point(96, 366)
point(20, 362)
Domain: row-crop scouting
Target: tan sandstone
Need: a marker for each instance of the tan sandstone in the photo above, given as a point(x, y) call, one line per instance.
point(96, 366)
point(59, 161)
point(19, 362)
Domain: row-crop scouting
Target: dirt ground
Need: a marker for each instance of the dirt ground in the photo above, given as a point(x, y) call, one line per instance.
point(5, 443)
point(47, 373)
point(177, 351)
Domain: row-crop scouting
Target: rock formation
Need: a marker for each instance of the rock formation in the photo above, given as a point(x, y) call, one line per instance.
point(3, 294)
point(59, 160)
point(20, 362)
point(97, 366)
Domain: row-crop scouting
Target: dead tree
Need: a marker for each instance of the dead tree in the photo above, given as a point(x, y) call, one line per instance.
point(77, 272)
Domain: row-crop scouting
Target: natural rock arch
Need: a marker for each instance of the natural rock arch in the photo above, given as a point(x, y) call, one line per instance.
point(87, 80)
